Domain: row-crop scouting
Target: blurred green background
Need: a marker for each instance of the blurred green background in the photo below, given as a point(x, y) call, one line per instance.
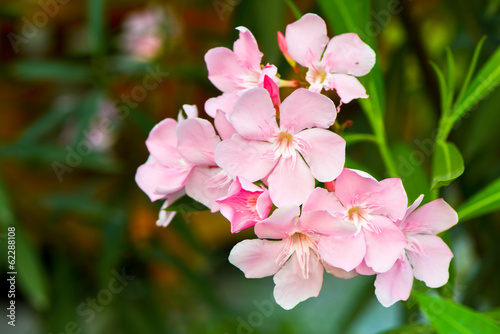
point(82, 222)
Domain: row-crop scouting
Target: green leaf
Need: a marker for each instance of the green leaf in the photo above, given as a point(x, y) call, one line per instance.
point(293, 7)
point(443, 89)
point(96, 25)
point(410, 163)
point(52, 71)
point(412, 329)
point(448, 317)
point(482, 85)
point(485, 201)
point(186, 204)
point(447, 165)
point(353, 138)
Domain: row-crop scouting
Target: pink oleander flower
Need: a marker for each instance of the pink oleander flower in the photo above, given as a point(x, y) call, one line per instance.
point(425, 257)
point(182, 159)
point(371, 207)
point(245, 204)
point(234, 72)
point(142, 36)
point(263, 150)
point(294, 260)
point(336, 67)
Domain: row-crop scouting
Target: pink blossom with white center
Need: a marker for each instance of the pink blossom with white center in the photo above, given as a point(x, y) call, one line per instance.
point(371, 207)
point(245, 204)
point(426, 257)
point(182, 159)
point(261, 148)
point(294, 260)
point(234, 72)
point(334, 67)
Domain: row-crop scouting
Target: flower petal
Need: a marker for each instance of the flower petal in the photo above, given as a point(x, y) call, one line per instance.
point(291, 285)
point(306, 39)
point(197, 141)
point(384, 245)
point(224, 69)
point(348, 54)
point(246, 158)
point(290, 182)
point(254, 116)
point(342, 252)
point(392, 199)
point(339, 273)
point(207, 185)
point(395, 284)
point(322, 199)
point(431, 266)
point(435, 217)
point(224, 102)
point(348, 87)
point(256, 258)
point(158, 181)
point(165, 217)
point(247, 50)
point(324, 152)
point(281, 223)
point(162, 142)
point(304, 109)
point(224, 128)
point(353, 188)
point(322, 222)
point(363, 269)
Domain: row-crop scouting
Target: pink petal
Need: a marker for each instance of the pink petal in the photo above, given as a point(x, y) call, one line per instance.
point(281, 224)
point(246, 158)
point(348, 54)
point(304, 109)
point(157, 181)
point(247, 50)
point(392, 198)
point(347, 87)
point(290, 182)
point(224, 102)
point(264, 204)
point(339, 273)
point(321, 199)
point(383, 246)
point(224, 69)
point(352, 188)
point(224, 128)
point(435, 217)
point(197, 141)
point(363, 269)
point(306, 39)
point(342, 252)
point(411, 208)
point(191, 111)
point(431, 266)
point(162, 142)
point(324, 153)
point(291, 285)
point(207, 185)
point(257, 258)
point(254, 116)
point(395, 284)
point(322, 222)
point(165, 217)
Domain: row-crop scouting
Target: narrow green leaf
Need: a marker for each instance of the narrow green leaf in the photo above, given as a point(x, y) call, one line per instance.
point(443, 89)
point(485, 201)
point(293, 7)
point(447, 165)
point(60, 71)
point(412, 329)
point(482, 85)
point(450, 80)
point(96, 25)
point(186, 204)
point(472, 68)
point(353, 138)
point(448, 317)
point(410, 164)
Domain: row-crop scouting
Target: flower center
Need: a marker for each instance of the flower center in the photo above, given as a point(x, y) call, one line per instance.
point(360, 216)
point(284, 146)
point(302, 245)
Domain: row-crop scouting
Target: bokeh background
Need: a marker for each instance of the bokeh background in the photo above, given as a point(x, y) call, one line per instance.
point(65, 73)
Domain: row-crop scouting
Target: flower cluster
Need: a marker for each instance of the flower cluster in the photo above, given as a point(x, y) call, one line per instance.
point(277, 166)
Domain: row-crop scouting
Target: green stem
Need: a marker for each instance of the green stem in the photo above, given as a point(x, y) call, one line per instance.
point(294, 9)
point(386, 155)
